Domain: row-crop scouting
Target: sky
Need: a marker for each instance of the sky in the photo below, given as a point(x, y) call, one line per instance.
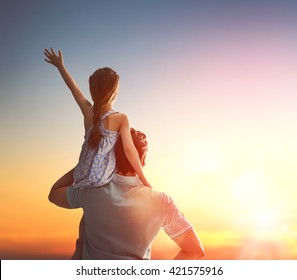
point(211, 83)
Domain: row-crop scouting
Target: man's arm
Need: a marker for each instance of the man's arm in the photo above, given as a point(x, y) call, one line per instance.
point(190, 245)
point(58, 192)
point(77, 255)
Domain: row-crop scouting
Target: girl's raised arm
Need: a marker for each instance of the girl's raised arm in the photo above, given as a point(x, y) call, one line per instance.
point(57, 60)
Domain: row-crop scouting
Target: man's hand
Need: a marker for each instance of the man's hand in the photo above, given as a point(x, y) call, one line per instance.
point(53, 58)
point(190, 245)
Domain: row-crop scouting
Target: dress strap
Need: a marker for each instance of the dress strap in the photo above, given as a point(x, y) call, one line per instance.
point(110, 112)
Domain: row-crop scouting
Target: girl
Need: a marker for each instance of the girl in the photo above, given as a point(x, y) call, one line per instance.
point(103, 125)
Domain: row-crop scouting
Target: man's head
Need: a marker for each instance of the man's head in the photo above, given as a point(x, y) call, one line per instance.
point(139, 140)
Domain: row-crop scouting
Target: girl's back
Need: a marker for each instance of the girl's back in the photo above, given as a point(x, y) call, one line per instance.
point(96, 167)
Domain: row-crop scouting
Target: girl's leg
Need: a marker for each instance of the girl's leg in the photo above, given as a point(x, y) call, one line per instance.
point(57, 194)
point(65, 180)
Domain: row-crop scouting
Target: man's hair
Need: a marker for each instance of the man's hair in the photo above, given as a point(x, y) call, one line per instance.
point(139, 140)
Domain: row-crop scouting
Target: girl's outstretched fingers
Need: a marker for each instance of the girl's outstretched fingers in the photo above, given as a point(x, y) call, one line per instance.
point(53, 58)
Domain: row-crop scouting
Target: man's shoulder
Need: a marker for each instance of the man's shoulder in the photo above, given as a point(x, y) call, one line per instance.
point(157, 194)
point(134, 185)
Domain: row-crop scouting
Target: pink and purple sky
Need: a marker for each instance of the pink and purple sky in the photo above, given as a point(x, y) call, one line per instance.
point(213, 85)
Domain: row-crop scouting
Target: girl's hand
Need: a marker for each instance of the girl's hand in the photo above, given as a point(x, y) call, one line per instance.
point(53, 58)
point(145, 182)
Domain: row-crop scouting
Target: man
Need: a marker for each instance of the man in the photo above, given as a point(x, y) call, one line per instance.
point(122, 218)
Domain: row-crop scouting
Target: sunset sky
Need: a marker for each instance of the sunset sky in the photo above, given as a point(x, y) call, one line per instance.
point(213, 84)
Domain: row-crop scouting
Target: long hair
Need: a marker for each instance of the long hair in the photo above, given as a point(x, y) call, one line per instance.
point(103, 85)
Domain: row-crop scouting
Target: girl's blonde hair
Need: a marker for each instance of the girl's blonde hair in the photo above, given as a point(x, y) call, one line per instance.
point(103, 85)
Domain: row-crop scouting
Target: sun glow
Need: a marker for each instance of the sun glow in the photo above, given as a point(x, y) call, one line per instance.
point(258, 201)
point(251, 189)
point(203, 158)
point(267, 225)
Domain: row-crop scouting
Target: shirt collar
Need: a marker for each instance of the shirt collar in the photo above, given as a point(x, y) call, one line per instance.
point(126, 180)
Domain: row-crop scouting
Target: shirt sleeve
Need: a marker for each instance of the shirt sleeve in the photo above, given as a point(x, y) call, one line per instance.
point(74, 197)
point(175, 223)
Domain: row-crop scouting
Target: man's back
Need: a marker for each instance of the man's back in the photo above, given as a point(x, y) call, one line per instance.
point(123, 217)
